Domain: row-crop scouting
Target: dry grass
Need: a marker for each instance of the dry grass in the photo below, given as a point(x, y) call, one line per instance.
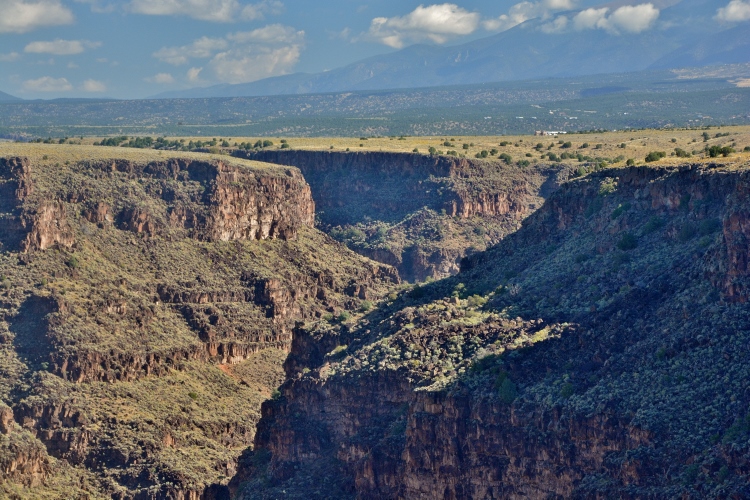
point(637, 144)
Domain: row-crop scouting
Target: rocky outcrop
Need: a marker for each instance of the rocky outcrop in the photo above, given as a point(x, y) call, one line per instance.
point(237, 202)
point(49, 227)
point(386, 185)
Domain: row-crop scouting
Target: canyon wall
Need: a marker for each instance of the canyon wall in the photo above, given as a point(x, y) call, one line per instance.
point(652, 271)
point(421, 214)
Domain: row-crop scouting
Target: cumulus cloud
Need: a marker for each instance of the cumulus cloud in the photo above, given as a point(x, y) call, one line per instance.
point(626, 19)
point(61, 47)
point(20, 16)
point(437, 23)
point(48, 84)
point(522, 12)
point(94, 86)
point(223, 11)
point(243, 56)
point(193, 74)
point(161, 78)
point(200, 48)
point(734, 11)
point(559, 25)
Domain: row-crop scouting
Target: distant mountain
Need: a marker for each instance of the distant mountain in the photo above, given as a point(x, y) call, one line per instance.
point(8, 98)
point(683, 38)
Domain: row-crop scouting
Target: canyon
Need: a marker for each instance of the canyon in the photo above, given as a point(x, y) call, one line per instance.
point(194, 326)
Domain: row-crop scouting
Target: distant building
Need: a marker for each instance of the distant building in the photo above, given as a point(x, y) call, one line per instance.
point(549, 132)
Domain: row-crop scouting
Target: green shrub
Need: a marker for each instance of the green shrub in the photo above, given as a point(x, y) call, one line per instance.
point(630, 162)
point(655, 156)
point(709, 226)
point(627, 242)
point(653, 224)
point(686, 233)
point(715, 151)
point(567, 390)
point(344, 316)
point(365, 306)
point(193, 395)
point(621, 209)
point(507, 390)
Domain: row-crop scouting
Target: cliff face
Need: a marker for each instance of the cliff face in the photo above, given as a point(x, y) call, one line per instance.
point(421, 214)
point(498, 384)
point(146, 308)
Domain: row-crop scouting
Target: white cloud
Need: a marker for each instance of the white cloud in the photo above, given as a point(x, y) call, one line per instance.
point(94, 86)
point(590, 19)
point(626, 19)
point(20, 16)
point(161, 78)
point(193, 74)
point(260, 10)
point(437, 23)
point(61, 47)
point(48, 84)
point(201, 48)
point(10, 57)
point(270, 51)
point(559, 25)
point(223, 11)
point(522, 12)
point(735, 11)
point(243, 56)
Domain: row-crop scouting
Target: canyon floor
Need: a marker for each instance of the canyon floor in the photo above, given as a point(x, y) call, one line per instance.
point(309, 322)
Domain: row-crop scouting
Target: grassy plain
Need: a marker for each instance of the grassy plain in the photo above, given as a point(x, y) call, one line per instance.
point(628, 144)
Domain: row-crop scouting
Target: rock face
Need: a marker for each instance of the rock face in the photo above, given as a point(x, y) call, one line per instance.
point(384, 186)
point(145, 309)
point(421, 214)
point(443, 394)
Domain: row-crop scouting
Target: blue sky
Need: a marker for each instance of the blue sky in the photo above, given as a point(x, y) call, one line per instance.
point(136, 48)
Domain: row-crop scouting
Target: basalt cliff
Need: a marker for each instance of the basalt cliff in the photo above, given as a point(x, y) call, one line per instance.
point(419, 213)
point(146, 307)
point(597, 352)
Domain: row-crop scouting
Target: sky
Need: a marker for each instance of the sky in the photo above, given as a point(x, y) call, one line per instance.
point(138, 48)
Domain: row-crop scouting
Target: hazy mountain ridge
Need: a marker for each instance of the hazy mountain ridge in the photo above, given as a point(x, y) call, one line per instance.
point(523, 52)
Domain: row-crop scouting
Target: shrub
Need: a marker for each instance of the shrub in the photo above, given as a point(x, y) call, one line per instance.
point(567, 145)
point(686, 233)
point(715, 151)
point(630, 162)
point(709, 226)
point(506, 158)
point(655, 156)
point(193, 395)
point(344, 316)
point(653, 224)
point(507, 390)
point(567, 390)
point(365, 306)
point(627, 242)
point(681, 153)
point(620, 210)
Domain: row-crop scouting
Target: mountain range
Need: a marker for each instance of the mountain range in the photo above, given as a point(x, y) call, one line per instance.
point(7, 97)
point(681, 38)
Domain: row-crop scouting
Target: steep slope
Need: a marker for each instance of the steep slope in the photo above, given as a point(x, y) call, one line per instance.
point(146, 305)
point(597, 352)
point(7, 97)
point(422, 214)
